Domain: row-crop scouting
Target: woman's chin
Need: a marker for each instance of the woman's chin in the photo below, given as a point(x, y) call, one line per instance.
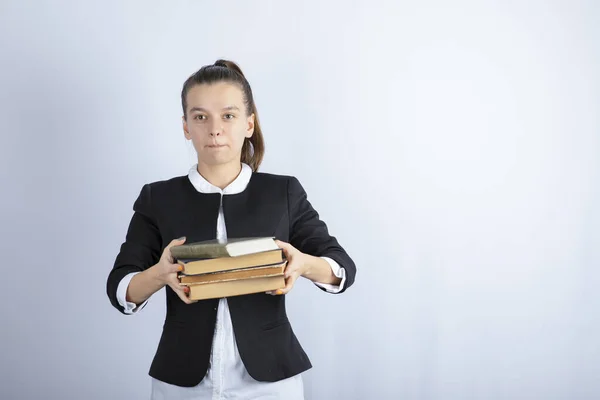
point(214, 160)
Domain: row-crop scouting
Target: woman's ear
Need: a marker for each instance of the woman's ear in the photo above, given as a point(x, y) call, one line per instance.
point(250, 127)
point(185, 129)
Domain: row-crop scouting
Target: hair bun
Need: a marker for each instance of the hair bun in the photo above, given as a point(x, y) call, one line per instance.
point(229, 65)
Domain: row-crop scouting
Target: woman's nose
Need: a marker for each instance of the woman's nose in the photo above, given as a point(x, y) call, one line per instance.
point(216, 130)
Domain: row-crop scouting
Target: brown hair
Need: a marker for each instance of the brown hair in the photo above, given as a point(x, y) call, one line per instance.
point(253, 149)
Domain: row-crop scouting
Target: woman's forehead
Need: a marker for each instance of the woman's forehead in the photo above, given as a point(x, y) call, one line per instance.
point(216, 95)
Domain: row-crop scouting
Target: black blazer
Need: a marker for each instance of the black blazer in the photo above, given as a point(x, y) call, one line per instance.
point(271, 205)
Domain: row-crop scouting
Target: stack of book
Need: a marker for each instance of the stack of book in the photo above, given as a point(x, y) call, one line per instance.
point(215, 269)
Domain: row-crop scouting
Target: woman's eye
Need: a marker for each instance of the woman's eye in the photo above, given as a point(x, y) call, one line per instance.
point(200, 117)
point(229, 116)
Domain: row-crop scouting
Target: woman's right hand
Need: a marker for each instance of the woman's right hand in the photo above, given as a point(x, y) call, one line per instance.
point(166, 272)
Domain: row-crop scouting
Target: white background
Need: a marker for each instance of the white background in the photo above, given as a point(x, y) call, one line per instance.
point(451, 147)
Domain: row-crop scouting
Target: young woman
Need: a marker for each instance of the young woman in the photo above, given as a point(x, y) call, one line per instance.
point(242, 347)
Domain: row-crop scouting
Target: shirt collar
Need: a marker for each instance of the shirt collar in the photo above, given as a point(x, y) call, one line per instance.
point(237, 186)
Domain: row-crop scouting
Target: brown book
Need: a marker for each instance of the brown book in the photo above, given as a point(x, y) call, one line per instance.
point(194, 267)
point(238, 287)
point(256, 272)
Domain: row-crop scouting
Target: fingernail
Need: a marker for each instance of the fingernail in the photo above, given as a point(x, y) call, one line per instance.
point(181, 238)
point(180, 268)
point(279, 291)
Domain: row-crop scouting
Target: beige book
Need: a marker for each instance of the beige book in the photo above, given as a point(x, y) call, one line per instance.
point(194, 267)
point(211, 290)
point(256, 272)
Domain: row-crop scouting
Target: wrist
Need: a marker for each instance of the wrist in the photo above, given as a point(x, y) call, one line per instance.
point(308, 262)
point(154, 276)
point(319, 270)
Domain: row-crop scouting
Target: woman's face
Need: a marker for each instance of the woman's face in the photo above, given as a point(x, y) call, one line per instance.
point(217, 123)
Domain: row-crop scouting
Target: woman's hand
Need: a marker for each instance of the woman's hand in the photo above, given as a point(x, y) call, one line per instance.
point(166, 272)
point(315, 269)
point(297, 265)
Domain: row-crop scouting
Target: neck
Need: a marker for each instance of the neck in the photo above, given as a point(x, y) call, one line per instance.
point(220, 175)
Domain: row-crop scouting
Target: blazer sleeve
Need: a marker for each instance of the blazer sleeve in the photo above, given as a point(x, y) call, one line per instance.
point(310, 235)
point(142, 246)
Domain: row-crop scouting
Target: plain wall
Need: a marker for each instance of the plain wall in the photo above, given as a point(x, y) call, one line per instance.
point(451, 147)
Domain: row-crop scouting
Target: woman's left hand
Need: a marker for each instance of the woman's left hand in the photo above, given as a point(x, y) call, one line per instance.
point(297, 265)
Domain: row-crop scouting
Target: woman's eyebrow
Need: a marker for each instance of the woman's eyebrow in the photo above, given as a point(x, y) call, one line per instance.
point(227, 108)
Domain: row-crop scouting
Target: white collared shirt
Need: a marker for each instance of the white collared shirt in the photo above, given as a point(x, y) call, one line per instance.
point(226, 377)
